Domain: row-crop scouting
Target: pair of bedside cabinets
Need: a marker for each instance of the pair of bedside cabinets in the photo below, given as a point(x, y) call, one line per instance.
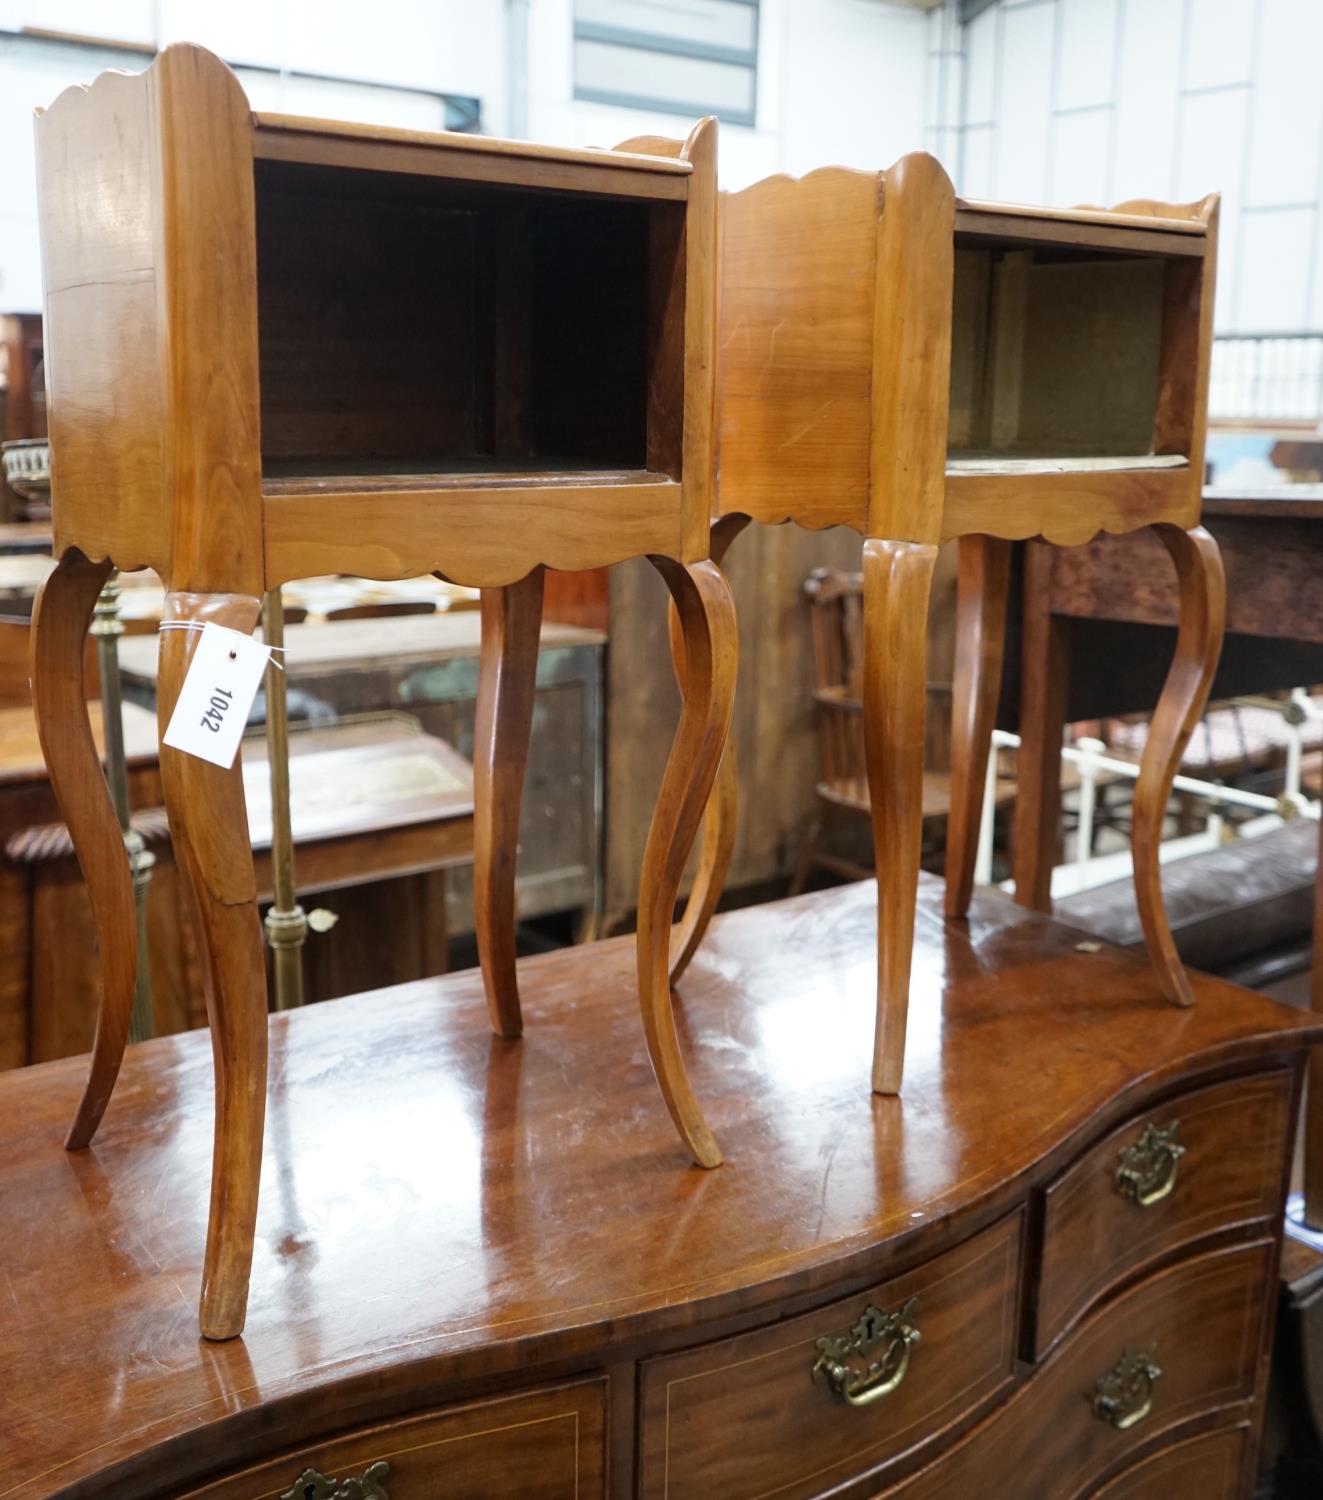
point(280, 347)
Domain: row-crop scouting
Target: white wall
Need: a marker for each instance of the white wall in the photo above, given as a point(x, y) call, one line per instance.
point(1066, 101)
point(437, 46)
point(839, 81)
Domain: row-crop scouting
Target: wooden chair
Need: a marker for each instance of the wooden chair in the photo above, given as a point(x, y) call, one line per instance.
point(282, 348)
point(920, 368)
point(835, 601)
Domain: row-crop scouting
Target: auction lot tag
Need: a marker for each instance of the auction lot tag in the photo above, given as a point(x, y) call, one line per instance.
point(222, 680)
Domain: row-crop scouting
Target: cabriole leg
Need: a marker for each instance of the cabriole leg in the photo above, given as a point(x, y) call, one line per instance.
point(209, 831)
point(60, 617)
point(720, 819)
point(897, 582)
point(983, 584)
point(706, 613)
point(1202, 586)
point(507, 682)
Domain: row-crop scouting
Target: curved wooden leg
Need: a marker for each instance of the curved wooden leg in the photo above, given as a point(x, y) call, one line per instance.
point(1044, 674)
point(60, 618)
point(1202, 586)
point(507, 680)
point(707, 622)
point(721, 816)
point(981, 591)
point(209, 831)
point(897, 581)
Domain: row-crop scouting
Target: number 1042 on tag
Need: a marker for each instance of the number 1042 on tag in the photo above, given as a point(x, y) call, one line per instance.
point(219, 688)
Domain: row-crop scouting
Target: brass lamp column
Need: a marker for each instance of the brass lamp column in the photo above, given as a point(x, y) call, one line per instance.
point(286, 923)
point(107, 627)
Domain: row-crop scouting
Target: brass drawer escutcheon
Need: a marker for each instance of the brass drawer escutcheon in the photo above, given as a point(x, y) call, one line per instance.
point(310, 1485)
point(1146, 1170)
point(1124, 1396)
point(892, 1333)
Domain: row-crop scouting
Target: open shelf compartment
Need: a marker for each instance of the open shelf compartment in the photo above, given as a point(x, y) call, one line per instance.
point(1056, 358)
point(418, 332)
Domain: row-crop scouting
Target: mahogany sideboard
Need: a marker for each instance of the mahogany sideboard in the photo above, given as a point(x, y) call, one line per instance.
point(491, 1275)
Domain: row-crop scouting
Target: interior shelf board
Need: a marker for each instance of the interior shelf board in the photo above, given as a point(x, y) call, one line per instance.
point(291, 477)
point(1011, 464)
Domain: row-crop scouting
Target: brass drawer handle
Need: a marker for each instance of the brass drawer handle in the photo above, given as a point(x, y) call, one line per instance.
point(892, 1333)
point(1146, 1170)
point(310, 1485)
point(1124, 1395)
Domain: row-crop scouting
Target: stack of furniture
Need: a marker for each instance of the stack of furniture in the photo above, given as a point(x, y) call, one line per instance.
point(479, 1268)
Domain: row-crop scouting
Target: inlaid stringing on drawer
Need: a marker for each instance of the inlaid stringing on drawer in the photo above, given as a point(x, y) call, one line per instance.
point(760, 1415)
point(1136, 1195)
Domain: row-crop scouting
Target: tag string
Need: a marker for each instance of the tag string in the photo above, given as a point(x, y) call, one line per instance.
point(201, 625)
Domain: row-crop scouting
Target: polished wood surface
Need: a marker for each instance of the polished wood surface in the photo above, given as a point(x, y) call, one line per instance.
point(60, 620)
point(542, 1445)
point(1081, 604)
point(1234, 1141)
point(924, 369)
point(218, 414)
point(1210, 1467)
point(984, 585)
point(1202, 593)
point(507, 680)
point(730, 1418)
point(394, 1274)
point(1203, 1318)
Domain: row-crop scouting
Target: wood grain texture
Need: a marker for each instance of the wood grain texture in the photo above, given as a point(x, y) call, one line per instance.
point(60, 618)
point(1202, 586)
point(527, 1253)
point(208, 308)
point(483, 536)
point(897, 580)
point(1068, 508)
point(540, 1445)
point(982, 592)
point(1234, 1135)
point(798, 266)
point(706, 613)
point(911, 351)
point(507, 680)
point(721, 816)
point(1036, 830)
point(742, 1417)
point(103, 275)
point(700, 341)
point(1209, 1466)
point(1203, 1318)
point(209, 832)
point(453, 156)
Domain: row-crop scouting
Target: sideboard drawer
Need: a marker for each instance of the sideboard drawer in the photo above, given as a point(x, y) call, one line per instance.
point(1209, 1467)
point(1199, 1163)
point(540, 1445)
point(1176, 1346)
point(792, 1408)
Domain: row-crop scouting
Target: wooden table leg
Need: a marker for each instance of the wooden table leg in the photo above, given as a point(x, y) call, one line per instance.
point(209, 831)
point(1044, 674)
point(897, 581)
point(1202, 586)
point(706, 614)
point(1313, 1127)
point(60, 617)
point(983, 585)
point(507, 682)
point(720, 819)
